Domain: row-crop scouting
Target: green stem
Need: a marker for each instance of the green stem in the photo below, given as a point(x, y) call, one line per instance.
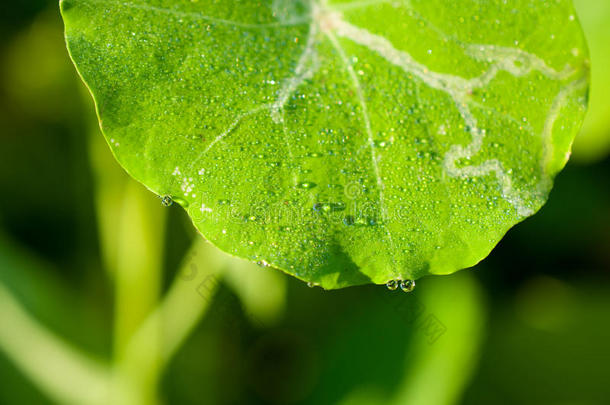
point(139, 261)
point(67, 375)
point(137, 287)
point(131, 224)
point(173, 320)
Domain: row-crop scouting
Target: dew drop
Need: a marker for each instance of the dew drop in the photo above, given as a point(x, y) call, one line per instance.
point(321, 207)
point(381, 144)
point(392, 285)
point(359, 221)
point(329, 207)
point(407, 285)
point(167, 201)
point(339, 206)
point(310, 284)
point(349, 220)
point(306, 185)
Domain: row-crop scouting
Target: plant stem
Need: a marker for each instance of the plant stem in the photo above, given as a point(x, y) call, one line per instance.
point(131, 225)
point(137, 278)
point(171, 322)
point(139, 261)
point(67, 375)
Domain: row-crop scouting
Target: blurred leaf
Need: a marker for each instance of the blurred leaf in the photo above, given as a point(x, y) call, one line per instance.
point(156, 340)
point(75, 316)
point(262, 292)
point(31, 300)
point(36, 70)
point(549, 347)
point(304, 135)
point(442, 365)
point(443, 352)
point(363, 345)
point(61, 371)
point(593, 143)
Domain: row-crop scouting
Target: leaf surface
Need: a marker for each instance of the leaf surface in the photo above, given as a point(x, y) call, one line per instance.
point(344, 142)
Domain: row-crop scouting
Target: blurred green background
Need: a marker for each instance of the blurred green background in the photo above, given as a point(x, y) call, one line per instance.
point(107, 297)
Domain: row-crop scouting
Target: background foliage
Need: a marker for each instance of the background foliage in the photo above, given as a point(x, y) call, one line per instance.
point(87, 258)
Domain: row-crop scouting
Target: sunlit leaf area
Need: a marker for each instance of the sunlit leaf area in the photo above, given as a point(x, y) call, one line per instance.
point(115, 282)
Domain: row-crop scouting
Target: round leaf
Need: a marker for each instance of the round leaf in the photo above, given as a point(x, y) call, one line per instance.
point(344, 142)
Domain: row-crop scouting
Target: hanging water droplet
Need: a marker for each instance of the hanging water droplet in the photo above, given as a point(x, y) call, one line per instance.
point(310, 284)
point(262, 263)
point(166, 201)
point(407, 285)
point(392, 285)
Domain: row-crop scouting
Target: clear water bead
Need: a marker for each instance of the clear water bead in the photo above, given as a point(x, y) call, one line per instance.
point(166, 201)
point(407, 285)
point(392, 285)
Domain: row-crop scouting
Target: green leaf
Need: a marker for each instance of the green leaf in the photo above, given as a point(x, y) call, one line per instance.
point(593, 143)
point(343, 142)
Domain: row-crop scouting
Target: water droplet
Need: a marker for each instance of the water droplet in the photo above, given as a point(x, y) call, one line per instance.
point(310, 284)
point(392, 285)
point(328, 207)
point(349, 220)
point(365, 221)
point(306, 185)
point(381, 144)
point(263, 263)
point(321, 207)
point(224, 202)
point(407, 285)
point(166, 201)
